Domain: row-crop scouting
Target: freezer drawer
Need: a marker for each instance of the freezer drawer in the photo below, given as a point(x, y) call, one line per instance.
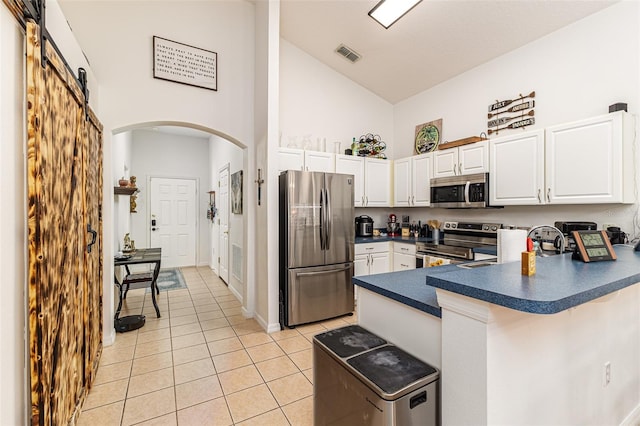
point(318, 293)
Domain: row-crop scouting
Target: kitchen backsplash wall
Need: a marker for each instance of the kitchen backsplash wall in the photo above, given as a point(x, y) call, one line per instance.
point(520, 216)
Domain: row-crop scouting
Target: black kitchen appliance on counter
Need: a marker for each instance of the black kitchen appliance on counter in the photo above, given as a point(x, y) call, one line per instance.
point(567, 227)
point(364, 226)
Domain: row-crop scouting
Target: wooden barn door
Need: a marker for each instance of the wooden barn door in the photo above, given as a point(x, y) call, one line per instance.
point(65, 273)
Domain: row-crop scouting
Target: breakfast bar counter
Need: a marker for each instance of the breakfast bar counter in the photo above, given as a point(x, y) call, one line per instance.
point(514, 349)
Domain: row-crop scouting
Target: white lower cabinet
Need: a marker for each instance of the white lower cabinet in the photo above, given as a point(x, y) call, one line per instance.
point(404, 256)
point(371, 258)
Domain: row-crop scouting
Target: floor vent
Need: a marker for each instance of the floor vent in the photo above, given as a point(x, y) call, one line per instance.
point(348, 53)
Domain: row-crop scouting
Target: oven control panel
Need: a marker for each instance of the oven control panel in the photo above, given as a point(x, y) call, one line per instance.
point(472, 227)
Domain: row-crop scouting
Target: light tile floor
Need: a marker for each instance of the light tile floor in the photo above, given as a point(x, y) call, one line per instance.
point(203, 363)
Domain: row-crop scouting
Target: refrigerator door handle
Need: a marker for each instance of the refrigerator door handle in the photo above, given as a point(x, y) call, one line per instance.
point(330, 271)
point(322, 219)
point(328, 218)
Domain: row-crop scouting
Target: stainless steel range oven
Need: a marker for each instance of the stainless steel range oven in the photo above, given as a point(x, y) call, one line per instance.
point(460, 240)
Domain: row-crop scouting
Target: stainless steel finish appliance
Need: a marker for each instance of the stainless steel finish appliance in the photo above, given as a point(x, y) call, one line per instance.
point(364, 226)
point(361, 379)
point(316, 246)
point(460, 240)
point(460, 192)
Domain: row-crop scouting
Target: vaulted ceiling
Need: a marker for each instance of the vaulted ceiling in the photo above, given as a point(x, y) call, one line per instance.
point(434, 42)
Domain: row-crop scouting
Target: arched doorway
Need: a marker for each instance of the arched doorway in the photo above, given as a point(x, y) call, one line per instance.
point(138, 150)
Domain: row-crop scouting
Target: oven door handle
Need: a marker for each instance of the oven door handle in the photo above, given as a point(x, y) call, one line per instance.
point(466, 193)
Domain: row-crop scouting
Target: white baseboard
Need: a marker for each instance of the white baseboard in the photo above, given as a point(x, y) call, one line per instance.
point(633, 418)
point(270, 328)
point(236, 293)
point(109, 338)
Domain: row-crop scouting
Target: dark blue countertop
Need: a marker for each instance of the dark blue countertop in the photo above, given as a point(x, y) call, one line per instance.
point(406, 287)
point(559, 283)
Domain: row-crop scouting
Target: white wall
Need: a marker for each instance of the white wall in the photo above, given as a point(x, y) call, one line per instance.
point(129, 95)
point(224, 152)
point(317, 101)
point(576, 72)
point(121, 165)
point(13, 229)
point(156, 154)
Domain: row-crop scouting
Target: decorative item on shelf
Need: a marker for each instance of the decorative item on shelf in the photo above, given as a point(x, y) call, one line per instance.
point(123, 182)
point(371, 145)
point(259, 181)
point(464, 141)
point(127, 246)
point(428, 136)
point(132, 181)
point(524, 113)
point(211, 211)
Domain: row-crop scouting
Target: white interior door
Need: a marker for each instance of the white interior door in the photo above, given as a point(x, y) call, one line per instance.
point(223, 218)
point(173, 208)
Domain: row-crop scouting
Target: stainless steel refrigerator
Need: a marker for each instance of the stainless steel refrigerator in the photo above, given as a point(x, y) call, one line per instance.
point(316, 246)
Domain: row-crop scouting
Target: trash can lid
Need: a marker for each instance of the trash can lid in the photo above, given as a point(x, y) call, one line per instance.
point(392, 371)
point(350, 340)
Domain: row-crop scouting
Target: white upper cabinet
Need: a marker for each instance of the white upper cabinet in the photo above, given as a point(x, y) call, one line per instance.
point(463, 160)
point(377, 182)
point(590, 161)
point(300, 159)
point(516, 171)
point(290, 159)
point(353, 165)
point(316, 161)
point(584, 162)
point(372, 179)
point(411, 181)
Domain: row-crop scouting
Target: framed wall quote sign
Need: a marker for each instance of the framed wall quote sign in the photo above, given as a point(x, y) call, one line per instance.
point(184, 64)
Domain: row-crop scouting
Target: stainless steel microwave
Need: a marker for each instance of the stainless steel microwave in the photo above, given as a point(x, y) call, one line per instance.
point(461, 192)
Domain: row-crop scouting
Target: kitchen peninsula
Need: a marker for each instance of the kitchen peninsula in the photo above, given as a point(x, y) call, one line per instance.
point(559, 347)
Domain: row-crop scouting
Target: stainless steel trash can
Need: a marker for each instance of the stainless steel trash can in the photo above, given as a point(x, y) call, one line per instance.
point(361, 379)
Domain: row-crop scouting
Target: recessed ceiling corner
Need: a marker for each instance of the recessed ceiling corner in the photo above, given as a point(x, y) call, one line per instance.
point(348, 53)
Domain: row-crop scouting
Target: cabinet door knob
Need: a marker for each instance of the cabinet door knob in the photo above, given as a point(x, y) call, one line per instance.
point(539, 200)
point(454, 169)
point(548, 195)
point(460, 168)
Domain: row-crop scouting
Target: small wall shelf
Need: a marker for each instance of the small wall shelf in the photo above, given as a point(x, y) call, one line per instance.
point(124, 190)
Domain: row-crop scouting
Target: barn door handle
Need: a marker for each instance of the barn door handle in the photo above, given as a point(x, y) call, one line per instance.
point(94, 234)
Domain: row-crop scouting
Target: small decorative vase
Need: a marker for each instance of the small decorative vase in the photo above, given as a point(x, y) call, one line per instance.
point(123, 182)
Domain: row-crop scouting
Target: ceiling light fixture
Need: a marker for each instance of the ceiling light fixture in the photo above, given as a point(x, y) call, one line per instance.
point(387, 12)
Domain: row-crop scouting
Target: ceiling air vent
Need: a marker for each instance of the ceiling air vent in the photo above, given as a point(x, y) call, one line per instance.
point(348, 53)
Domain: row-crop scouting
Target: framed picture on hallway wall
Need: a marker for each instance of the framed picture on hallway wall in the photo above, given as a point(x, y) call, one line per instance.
point(236, 192)
point(181, 63)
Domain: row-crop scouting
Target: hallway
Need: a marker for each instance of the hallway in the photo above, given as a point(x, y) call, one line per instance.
point(203, 363)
